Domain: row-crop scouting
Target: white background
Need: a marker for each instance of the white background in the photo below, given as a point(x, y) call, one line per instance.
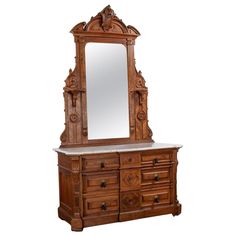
point(187, 53)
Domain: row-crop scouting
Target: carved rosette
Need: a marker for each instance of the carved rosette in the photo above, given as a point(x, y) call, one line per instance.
point(74, 117)
point(141, 115)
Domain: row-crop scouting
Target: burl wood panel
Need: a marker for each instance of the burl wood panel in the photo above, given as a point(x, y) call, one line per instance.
point(130, 179)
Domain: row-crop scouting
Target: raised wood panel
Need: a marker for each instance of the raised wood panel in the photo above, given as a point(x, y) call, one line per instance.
point(155, 176)
point(100, 162)
point(100, 182)
point(155, 159)
point(155, 197)
point(101, 205)
point(66, 192)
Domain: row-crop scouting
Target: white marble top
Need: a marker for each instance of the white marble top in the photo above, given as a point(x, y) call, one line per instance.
point(115, 148)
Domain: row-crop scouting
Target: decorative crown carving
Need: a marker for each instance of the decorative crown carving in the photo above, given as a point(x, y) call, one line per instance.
point(105, 21)
point(107, 16)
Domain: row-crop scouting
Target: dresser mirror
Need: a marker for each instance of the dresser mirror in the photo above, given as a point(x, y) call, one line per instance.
point(107, 91)
point(105, 95)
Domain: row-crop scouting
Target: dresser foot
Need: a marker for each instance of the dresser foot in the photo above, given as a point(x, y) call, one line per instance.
point(177, 209)
point(76, 223)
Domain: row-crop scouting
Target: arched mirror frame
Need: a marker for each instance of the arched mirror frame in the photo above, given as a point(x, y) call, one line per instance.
point(105, 27)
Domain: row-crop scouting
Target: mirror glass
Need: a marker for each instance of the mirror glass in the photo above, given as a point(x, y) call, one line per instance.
point(107, 91)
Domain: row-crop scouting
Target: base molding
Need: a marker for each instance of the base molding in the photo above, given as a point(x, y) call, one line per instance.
point(146, 213)
point(76, 223)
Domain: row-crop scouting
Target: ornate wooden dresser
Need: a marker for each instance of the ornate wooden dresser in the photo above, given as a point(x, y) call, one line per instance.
point(110, 177)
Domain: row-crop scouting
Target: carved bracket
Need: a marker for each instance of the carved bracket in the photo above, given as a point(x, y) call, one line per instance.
point(73, 86)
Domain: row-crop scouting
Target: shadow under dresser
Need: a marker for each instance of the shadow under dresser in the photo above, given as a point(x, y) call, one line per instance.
point(106, 184)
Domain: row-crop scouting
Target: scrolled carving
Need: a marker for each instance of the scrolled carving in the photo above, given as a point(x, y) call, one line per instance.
point(63, 136)
point(71, 81)
point(149, 132)
point(140, 81)
point(78, 28)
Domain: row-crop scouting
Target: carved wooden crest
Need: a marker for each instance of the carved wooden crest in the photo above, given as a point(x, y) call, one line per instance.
point(105, 21)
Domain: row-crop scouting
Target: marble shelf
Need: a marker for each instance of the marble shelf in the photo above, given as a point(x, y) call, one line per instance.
point(115, 148)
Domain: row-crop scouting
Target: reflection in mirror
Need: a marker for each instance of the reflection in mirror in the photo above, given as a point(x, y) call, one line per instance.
point(107, 91)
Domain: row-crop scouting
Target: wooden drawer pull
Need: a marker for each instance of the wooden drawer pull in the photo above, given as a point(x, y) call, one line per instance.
point(156, 177)
point(103, 206)
point(103, 184)
point(102, 165)
point(155, 161)
point(156, 199)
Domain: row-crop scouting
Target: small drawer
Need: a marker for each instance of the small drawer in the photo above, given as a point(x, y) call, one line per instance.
point(155, 197)
point(101, 205)
point(130, 160)
point(155, 176)
point(156, 159)
point(100, 182)
point(100, 162)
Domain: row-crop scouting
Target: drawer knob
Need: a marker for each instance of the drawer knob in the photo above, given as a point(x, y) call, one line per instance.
point(156, 177)
point(104, 206)
point(156, 199)
point(102, 165)
point(103, 184)
point(155, 161)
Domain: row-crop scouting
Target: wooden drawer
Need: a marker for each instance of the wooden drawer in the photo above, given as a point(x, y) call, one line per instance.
point(156, 158)
point(130, 160)
point(155, 197)
point(100, 182)
point(101, 205)
point(155, 176)
point(100, 162)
